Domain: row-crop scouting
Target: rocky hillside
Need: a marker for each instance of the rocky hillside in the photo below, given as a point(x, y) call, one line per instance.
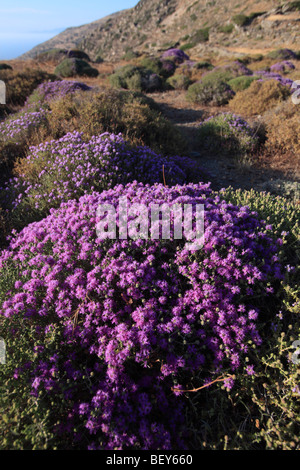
point(202, 26)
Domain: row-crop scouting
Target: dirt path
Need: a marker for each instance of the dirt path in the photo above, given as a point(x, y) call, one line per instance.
point(223, 171)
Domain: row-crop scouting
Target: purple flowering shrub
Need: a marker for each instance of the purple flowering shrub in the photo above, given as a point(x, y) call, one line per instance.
point(282, 54)
point(177, 55)
point(22, 124)
point(228, 134)
point(63, 169)
point(116, 330)
point(283, 66)
point(48, 91)
point(265, 75)
point(227, 72)
point(168, 67)
point(17, 132)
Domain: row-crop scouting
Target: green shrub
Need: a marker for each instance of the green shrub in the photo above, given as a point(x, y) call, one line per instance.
point(282, 54)
point(203, 64)
point(259, 97)
point(5, 67)
point(187, 46)
point(240, 20)
point(129, 55)
point(99, 59)
point(52, 55)
point(225, 73)
point(262, 411)
point(248, 59)
point(179, 82)
point(131, 77)
point(72, 66)
point(56, 55)
point(153, 64)
point(201, 35)
point(213, 92)
point(242, 82)
point(226, 134)
point(227, 28)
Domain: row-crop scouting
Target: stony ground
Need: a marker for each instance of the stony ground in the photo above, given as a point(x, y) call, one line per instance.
point(224, 172)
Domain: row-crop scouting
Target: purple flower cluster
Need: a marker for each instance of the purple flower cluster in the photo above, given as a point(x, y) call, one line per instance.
point(274, 76)
point(140, 319)
point(19, 123)
point(235, 68)
point(71, 167)
point(48, 91)
point(282, 67)
point(283, 54)
point(177, 55)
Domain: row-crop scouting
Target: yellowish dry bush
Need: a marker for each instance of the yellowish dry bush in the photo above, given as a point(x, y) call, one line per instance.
point(283, 129)
point(132, 114)
point(259, 98)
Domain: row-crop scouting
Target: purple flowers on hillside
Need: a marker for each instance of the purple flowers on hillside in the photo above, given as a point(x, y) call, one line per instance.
point(177, 55)
point(137, 320)
point(70, 167)
point(15, 126)
point(48, 91)
point(282, 67)
point(274, 76)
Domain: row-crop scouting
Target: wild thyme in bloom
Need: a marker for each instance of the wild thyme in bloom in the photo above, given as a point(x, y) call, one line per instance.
point(119, 327)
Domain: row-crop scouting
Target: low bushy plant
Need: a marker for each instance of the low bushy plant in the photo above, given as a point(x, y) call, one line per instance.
point(242, 82)
point(64, 169)
point(240, 19)
point(72, 67)
point(177, 55)
point(131, 77)
point(19, 85)
point(57, 55)
point(210, 92)
point(226, 134)
point(259, 97)
point(4, 66)
point(17, 133)
point(201, 35)
point(112, 334)
point(204, 64)
point(282, 54)
point(117, 111)
point(179, 81)
point(226, 28)
point(284, 66)
point(48, 91)
point(282, 128)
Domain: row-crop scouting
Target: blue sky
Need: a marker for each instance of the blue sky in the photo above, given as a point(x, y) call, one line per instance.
point(24, 24)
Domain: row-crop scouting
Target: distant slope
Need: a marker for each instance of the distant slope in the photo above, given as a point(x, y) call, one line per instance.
point(70, 38)
point(154, 25)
